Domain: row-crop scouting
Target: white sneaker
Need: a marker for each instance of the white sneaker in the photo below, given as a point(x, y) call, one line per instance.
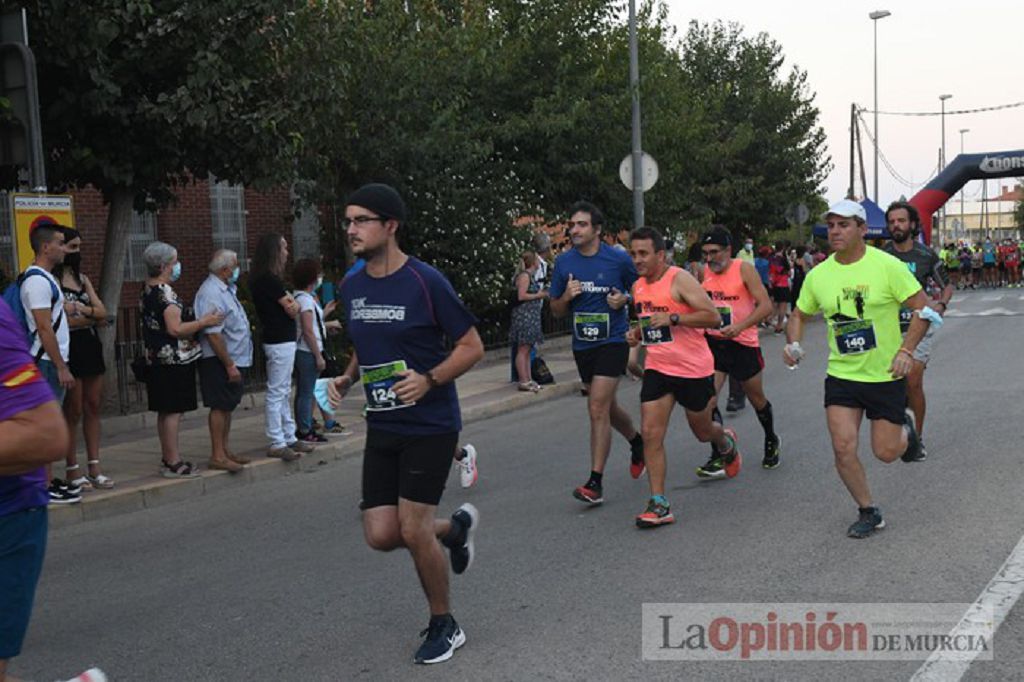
point(467, 467)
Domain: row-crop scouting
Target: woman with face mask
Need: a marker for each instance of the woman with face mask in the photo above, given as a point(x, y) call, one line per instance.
point(169, 332)
point(85, 313)
point(310, 360)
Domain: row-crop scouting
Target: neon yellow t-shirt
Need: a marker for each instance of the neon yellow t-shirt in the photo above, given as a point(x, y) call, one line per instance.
point(861, 303)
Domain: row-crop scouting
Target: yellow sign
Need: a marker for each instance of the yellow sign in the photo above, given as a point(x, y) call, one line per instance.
point(37, 209)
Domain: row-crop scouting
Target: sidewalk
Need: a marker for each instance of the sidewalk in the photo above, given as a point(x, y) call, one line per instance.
point(130, 450)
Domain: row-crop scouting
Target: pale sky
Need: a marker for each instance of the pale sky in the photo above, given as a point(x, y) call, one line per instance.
point(971, 50)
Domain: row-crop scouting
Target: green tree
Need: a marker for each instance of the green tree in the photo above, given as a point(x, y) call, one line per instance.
point(141, 96)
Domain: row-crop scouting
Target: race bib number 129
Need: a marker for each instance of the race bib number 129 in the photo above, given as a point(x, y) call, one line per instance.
point(591, 326)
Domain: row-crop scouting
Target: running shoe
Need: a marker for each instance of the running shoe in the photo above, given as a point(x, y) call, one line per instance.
point(735, 405)
point(636, 460)
point(443, 637)
point(335, 429)
point(733, 461)
point(60, 494)
point(713, 468)
point(868, 522)
point(657, 513)
point(468, 472)
point(590, 492)
point(467, 519)
point(771, 452)
point(312, 437)
point(914, 451)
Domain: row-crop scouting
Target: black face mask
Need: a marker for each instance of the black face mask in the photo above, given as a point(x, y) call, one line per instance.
point(73, 260)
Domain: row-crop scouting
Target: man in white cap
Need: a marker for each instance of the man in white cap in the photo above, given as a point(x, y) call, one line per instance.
point(859, 289)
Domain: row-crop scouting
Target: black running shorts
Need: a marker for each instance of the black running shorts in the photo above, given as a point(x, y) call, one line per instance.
point(780, 294)
point(414, 468)
point(693, 394)
point(738, 361)
point(606, 360)
point(883, 400)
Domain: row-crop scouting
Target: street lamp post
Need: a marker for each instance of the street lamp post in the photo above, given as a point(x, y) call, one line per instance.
point(963, 225)
point(942, 160)
point(637, 150)
point(875, 16)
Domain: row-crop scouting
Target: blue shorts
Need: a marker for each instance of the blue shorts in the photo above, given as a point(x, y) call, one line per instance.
point(22, 547)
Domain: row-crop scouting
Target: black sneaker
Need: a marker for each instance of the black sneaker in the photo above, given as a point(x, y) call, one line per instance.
point(60, 493)
point(735, 405)
point(772, 450)
point(868, 522)
point(713, 468)
point(468, 519)
point(914, 452)
point(444, 636)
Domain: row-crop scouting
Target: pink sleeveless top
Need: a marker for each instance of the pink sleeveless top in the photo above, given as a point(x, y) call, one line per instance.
point(734, 301)
point(682, 351)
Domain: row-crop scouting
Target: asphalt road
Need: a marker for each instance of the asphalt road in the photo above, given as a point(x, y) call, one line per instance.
point(274, 582)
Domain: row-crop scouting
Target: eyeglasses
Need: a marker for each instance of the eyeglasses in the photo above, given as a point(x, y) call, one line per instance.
point(360, 220)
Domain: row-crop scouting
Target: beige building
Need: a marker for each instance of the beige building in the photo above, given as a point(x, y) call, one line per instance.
point(993, 217)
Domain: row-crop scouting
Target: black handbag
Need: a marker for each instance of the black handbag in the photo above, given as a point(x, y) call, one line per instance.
point(331, 366)
point(141, 369)
point(540, 372)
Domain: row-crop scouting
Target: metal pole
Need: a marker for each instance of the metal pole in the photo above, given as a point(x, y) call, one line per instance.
point(875, 22)
point(634, 85)
point(853, 119)
point(962, 188)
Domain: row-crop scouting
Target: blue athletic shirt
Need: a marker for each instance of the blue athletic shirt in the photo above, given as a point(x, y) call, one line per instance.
point(406, 317)
point(598, 274)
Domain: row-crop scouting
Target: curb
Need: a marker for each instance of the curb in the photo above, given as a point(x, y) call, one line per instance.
point(160, 492)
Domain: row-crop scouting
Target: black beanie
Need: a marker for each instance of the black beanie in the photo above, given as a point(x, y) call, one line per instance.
point(717, 235)
point(382, 199)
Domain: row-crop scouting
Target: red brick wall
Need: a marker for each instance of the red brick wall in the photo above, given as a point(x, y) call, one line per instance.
point(186, 225)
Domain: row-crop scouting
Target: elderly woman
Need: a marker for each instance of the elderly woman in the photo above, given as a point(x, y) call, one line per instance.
point(169, 332)
point(525, 328)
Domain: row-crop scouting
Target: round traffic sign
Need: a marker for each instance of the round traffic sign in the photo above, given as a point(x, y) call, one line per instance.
point(648, 171)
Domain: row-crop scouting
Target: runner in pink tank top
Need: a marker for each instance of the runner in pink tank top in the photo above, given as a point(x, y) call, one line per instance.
point(742, 300)
point(673, 310)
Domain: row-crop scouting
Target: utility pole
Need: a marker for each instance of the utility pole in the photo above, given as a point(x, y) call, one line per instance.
point(853, 122)
point(634, 85)
point(875, 16)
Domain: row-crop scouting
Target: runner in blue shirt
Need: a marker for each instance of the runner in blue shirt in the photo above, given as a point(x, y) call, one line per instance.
point(399, 313)
point(591, 282)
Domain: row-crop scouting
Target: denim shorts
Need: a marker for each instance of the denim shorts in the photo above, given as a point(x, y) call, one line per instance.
point(22, 547)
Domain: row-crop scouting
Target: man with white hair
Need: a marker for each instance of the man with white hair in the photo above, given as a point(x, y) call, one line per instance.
point(227, 355)
point(859, 290)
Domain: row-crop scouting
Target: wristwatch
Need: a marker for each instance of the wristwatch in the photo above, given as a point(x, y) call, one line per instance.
point(673, 319)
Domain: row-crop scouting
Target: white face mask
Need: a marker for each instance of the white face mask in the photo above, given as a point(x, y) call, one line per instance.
point(748, 246)
point(319, 281)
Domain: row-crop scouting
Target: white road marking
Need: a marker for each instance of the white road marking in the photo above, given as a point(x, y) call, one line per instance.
point(992, 297)
point(998, 597)
point(991, 312)
point(958, 299)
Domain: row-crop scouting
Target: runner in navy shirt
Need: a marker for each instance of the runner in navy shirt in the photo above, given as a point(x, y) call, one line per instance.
point(400, 313)
point(590, 282)
point(32, 433)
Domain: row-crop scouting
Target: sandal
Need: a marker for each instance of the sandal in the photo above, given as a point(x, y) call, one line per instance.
point(99, 481)
point(529, 387)
point(180, 469)
point(76, 481)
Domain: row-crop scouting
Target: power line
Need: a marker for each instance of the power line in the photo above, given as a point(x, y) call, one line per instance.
point(948, 113)
point(888, 165)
